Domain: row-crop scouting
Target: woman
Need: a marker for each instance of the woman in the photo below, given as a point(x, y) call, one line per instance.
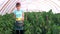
point(19, 14)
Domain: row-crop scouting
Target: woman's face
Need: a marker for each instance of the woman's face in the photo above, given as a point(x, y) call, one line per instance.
point(18, 8)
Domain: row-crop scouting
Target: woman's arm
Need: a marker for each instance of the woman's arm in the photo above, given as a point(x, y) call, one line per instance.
point(23, 16)
point(14, 16)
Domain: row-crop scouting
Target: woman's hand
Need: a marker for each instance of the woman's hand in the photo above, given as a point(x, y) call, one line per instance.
point(22, 18)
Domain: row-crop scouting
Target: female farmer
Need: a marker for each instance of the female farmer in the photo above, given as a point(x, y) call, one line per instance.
point(19, 14)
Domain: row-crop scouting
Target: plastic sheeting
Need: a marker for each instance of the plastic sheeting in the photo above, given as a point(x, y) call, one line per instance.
point(42, 5)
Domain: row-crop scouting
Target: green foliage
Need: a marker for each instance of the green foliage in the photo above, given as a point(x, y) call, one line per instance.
point(34, 23)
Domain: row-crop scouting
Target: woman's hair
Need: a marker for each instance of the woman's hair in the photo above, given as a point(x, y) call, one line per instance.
point(18, 4)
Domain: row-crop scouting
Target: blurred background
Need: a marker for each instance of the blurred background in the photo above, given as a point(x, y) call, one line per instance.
point(41, 16)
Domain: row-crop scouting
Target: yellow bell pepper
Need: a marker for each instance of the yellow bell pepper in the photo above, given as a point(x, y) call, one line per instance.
point(18, 18)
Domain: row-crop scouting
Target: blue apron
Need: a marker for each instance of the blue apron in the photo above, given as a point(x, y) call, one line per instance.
point(18, 25)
